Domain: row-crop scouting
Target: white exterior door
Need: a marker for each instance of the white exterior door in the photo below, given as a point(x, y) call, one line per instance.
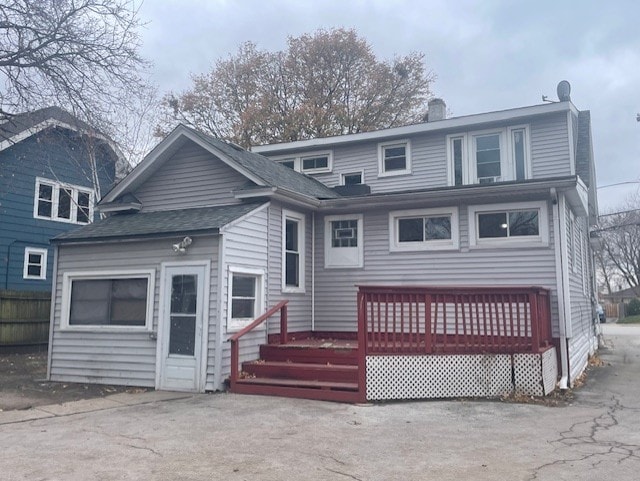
point(181, 328)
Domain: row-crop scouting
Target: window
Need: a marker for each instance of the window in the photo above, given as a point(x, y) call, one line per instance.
point(35, 263)
point(62, 202)
point(394, 158)
point(501, 224)
point(352, 178)
point(108, 300)
point(489, 156)
point(343, 241)
point(293, 235)
point(309, 163)
point(245, 296)
point(423, 229)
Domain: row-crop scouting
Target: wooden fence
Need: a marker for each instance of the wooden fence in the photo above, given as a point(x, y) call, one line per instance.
point(24, 318)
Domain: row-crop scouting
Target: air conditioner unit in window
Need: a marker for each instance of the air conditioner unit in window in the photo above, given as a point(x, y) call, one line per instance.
point(488, 180)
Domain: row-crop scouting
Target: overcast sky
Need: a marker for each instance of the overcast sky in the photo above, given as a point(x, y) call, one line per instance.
point(487, 55)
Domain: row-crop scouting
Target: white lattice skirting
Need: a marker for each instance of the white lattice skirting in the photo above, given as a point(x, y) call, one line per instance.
point(460, 375)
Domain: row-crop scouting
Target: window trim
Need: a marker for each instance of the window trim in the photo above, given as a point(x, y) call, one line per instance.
point(428, 245)
point(507, 154)
point(541, 240)
point(299, 158)
point(43, 263)
point(69, 277)
point(329, 263)
point(236, 324)
point(300, 219)
point(393, 143)
point(55, 201)
point(353, 172)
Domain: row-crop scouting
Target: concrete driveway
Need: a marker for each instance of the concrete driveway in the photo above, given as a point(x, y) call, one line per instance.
point(165, 436)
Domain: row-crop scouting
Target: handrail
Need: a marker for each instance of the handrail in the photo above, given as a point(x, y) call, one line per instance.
point(235, 355)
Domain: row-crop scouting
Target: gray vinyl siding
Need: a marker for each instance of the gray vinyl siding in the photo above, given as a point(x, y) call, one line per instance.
point(125, 358)
point(509, 266)
point(582, 327)
point(299, 307)
point(550, 146)
point(192, 177)
point(245, 245)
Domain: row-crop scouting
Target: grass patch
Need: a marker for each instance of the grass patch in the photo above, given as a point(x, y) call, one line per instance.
point(630, 320)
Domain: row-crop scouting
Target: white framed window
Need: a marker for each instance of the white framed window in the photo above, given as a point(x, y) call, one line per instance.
point(516, 224)
point(394, 158)
point(424, 229)
point(309, 162)
point(293, 251)
point(62, 202)
point(35, 263)
point(352, 178)
point(245, 300)
point(108, 300)
point(489, 156)
point(343, 241)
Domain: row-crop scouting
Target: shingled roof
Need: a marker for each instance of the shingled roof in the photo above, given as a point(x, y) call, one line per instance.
point(159, 223)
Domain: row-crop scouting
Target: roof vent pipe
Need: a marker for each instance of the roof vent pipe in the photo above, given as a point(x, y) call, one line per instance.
point(437, 110)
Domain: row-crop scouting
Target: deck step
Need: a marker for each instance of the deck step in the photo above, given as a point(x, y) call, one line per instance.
point(302, 371)
point(243, 386)
point(300, 383)
point(293, 354)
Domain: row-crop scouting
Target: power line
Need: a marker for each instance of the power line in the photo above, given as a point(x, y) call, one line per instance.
point(621, 212)
point(619, 183)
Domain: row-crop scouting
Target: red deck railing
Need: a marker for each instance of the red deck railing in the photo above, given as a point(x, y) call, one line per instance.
point(234, 340)
point(452, 320)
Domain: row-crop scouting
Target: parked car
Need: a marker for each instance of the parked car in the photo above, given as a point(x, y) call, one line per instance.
point(600, 312)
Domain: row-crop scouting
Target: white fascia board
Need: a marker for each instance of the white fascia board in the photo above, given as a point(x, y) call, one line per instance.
point(280, 194)
point(164, 149)
point(449, 195)
point(468, 121)
point(578, 198)
point(129, 206)
point(240, 219)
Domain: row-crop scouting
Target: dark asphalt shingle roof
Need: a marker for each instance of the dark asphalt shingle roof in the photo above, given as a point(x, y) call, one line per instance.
point(18, 123)
point(152, 224)
point(272, 173)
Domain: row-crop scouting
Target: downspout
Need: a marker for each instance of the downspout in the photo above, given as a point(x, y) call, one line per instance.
point(52, 309)
point(313, 271)
point(559, 241)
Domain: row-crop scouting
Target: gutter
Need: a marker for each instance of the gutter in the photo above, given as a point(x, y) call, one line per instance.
point(559, 245)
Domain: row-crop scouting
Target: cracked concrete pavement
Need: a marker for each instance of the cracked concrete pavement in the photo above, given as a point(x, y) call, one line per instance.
point(165, 436)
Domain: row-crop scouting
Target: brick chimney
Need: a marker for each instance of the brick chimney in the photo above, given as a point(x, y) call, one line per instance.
point(437, 110)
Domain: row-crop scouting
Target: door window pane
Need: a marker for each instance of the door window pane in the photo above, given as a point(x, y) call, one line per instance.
point(183, 294)
point(182, 338)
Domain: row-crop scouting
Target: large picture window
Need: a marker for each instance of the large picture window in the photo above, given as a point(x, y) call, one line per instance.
point(293, 245)
point(424, 229)
point(501, 225)
point(107, 301)
point(62, 202)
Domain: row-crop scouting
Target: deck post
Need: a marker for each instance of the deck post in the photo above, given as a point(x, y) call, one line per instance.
point(284, 337)
point(234, 362)
point(427, 324)
point(362, 346)
point(535, 322)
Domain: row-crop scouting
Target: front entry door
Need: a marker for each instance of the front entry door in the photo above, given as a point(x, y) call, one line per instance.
point(182, 328)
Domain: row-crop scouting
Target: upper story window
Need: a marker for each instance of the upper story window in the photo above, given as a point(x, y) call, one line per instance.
point(504, 224)
point(489, 156)
point(293, 245)
point(35, 263)
point(423, 229)
point(62, 202)
point(352, 178)
point(309, 163)
point(394, 158)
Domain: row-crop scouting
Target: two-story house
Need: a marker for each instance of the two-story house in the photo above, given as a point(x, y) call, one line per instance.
point(52, 168)
point(441, 259)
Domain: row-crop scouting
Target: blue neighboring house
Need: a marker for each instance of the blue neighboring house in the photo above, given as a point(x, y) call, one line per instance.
point(48, 162)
